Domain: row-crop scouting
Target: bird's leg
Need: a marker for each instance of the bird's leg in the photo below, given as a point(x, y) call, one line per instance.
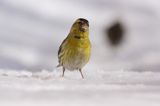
point(63, 72)
point(80, 70)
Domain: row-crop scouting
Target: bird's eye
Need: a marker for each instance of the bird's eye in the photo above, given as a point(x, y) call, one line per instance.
point(79, 22)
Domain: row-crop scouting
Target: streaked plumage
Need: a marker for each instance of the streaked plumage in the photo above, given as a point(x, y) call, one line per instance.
point(74, 51)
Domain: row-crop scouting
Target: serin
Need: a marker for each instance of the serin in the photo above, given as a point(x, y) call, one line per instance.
point(75, 50)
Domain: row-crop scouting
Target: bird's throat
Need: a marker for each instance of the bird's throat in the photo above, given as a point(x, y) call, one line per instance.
point(77, 37)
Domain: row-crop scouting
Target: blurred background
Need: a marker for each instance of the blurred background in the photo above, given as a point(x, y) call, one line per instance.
point(31, 32)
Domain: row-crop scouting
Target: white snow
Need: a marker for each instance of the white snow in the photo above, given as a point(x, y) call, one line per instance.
point(114, 88)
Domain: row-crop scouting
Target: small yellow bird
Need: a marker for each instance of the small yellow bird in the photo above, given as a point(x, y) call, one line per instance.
point(75, 50)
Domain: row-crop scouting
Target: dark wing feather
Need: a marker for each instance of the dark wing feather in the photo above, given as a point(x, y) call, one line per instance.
point(60, 51)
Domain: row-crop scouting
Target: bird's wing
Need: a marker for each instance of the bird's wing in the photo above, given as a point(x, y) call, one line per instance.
point(60, 52)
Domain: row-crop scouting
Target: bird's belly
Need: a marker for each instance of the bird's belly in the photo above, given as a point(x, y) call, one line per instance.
point(76, 59)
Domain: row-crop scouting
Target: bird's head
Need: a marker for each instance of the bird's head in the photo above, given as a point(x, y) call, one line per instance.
point(80, 25)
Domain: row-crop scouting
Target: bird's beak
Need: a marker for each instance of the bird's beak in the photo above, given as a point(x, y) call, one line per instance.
point(84, 28)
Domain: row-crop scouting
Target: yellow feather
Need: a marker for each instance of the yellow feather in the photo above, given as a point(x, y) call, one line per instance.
point(75, 50)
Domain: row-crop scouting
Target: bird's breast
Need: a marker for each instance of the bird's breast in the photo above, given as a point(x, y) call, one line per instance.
point(77, 57)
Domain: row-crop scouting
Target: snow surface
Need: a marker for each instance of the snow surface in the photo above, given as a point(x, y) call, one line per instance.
point(32, 30)
point(117, 88)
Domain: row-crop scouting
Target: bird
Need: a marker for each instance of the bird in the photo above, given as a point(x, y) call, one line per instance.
point(115, 33)
point(75, 50)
